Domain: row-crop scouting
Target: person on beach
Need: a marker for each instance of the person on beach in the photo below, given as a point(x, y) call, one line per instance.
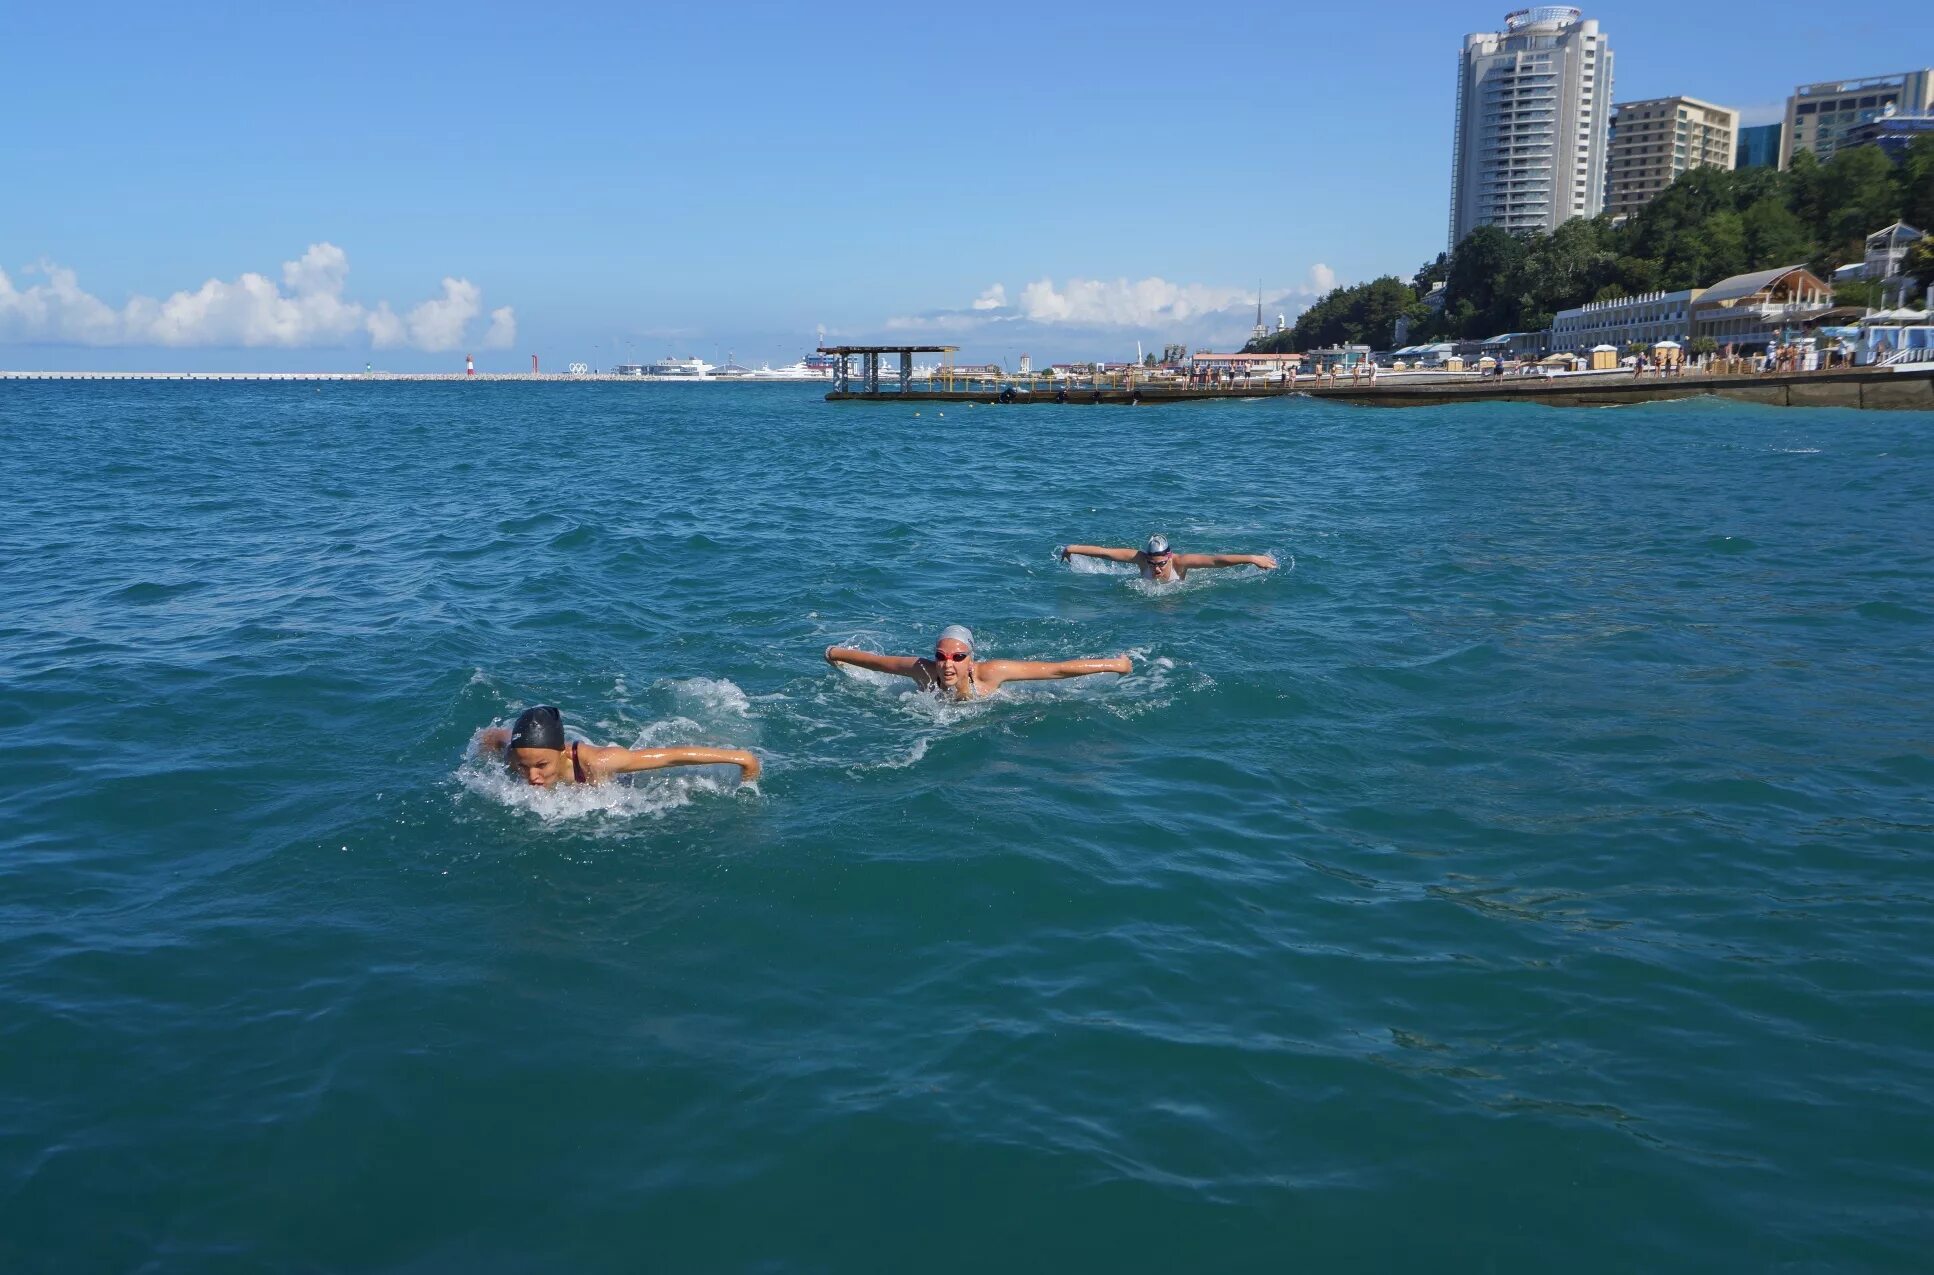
point(954, 673)
point(1157, 561)
point(535, 750)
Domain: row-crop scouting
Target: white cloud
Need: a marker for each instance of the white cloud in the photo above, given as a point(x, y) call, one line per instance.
point(307, 309)
point(1119, 303)
point(1111, 303)
point(438, 324)
point(386, 331)
point(1107, 316)
point(503, 329)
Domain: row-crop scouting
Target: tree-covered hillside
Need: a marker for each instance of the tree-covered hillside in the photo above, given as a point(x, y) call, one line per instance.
point(1707, 225)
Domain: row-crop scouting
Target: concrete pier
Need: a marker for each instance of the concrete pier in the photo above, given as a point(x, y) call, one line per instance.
point(1907, 388)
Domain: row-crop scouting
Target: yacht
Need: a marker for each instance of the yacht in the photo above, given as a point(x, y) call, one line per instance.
point(804, 370)
point(693, 368)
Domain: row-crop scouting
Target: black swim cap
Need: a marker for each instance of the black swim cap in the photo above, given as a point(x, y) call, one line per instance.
point(540, 727)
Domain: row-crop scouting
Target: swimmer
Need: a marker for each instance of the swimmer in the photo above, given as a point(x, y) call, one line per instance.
point(955, 674)
point(535, 750)
point(1159, 562)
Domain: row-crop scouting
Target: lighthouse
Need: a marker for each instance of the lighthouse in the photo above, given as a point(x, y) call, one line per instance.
point(469, 366)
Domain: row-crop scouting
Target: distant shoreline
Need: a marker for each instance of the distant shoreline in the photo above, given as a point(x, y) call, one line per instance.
point(407, 376)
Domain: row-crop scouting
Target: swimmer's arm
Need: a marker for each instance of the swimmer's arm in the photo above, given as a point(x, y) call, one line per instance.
point(899, 665)
point(1200, 561)
point(1098, 551)
point(994, 672)
point(624, 761)
point(491, 739)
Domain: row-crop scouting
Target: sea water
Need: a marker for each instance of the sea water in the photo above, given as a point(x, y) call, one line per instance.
point(1534, 873)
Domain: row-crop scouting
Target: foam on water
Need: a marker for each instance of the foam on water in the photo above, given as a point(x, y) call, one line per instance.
point(647, 794)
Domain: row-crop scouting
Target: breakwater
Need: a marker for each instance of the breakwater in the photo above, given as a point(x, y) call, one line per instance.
point(554, 378)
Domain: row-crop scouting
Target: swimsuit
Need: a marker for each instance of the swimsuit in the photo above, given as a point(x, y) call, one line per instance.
point(577, 767)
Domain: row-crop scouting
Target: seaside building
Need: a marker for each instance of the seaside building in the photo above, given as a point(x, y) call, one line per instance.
point(1761, 308)
point(1515, 347)
point(1759, 147)
point(1243, 363)
point(1819, 117)
point(1645, 320)
point(1886, 250)
point(1653, 141)
point(1533, 106)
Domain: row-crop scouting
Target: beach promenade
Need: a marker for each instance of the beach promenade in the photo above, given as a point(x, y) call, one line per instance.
point(1905, 388)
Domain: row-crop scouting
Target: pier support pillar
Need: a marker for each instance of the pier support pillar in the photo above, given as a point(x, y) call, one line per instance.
point(871, 364)
point(906, 370)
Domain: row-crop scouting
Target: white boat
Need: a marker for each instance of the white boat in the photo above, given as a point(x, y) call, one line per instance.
point(693, 368)
point(800, 371)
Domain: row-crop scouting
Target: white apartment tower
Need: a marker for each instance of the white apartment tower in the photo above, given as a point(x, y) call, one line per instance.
point(1533, 104)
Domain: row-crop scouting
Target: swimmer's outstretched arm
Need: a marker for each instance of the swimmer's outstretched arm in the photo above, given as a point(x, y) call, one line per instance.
point(993, 672)
point(1201, 561)
point(1098, 551)
point(899, 665)
point(624, 761)
point(491, 739)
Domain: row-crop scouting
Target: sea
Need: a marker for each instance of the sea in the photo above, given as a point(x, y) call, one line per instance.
point(1534, 873)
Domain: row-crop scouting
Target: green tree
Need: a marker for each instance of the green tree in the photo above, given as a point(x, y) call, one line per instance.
point(1919, 263)
point(1774, 235)
point(1722, 248)
point(1860, 292)
point(1480, 269)
point(1862, 195)
point(1917, 183)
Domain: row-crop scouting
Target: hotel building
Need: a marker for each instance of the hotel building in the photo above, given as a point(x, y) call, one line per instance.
point(1819, 117)
point(1654, 141)
point(1533, 105)
point(1645, 320)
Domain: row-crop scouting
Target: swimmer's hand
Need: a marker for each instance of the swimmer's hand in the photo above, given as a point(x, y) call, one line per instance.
point(749, 767)
point(491, 739)
point(1266, 562)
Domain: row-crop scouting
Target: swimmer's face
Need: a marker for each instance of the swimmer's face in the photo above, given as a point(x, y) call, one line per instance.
point(951, 660)
point(538, 767)
point(1160, 561)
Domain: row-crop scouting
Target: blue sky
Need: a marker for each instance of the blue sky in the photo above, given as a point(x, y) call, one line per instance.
point(638, 180)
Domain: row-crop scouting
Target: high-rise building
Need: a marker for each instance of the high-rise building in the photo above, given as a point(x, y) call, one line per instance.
point(1759, 147)
point(1654, 141)
point(1820, 116)
point(1533, 104)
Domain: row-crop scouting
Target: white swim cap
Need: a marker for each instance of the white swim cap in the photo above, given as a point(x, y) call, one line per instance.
point(1156, 545)
point(957, 633)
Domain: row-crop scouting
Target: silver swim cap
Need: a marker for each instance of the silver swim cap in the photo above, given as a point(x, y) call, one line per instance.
point(1156, 545)
point(957, 633)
